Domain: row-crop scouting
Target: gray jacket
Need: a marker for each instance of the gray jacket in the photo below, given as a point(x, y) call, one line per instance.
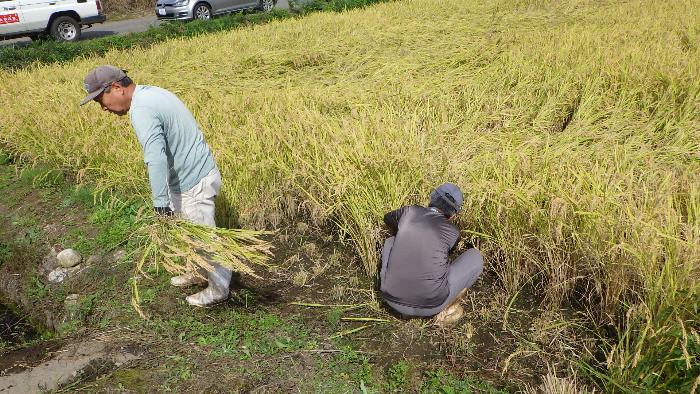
point(416, 272)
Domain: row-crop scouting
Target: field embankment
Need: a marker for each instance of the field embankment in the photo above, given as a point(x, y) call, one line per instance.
point(122, 8)
point(573, 127)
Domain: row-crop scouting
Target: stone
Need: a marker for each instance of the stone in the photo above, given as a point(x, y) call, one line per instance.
point(117, 255)
point(92, 260)
point(72, 304)
point(69, 258)
point(48, 262)
point(60, 274)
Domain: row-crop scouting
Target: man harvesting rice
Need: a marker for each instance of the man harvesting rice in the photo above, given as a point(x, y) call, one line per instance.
point(183, 174)
point(416, 277)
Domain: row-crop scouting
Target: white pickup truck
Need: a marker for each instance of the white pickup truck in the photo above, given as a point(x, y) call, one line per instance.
point(61, 19)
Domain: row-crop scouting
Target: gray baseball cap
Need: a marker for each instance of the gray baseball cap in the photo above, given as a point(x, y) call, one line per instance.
point(99, 78)
point(450, 193)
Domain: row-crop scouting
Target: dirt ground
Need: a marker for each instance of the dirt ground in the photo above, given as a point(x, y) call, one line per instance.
point(313, 324)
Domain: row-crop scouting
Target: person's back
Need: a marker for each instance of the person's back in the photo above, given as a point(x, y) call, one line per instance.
point(416, 277)
point(155, 110)
point(416, 272)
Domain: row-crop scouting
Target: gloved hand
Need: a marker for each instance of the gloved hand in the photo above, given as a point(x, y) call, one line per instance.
point(164, 211)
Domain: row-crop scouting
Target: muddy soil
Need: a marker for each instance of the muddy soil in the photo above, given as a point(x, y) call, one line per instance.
point(13, 328)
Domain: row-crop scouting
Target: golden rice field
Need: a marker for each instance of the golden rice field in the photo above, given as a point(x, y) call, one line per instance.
point(573, 128)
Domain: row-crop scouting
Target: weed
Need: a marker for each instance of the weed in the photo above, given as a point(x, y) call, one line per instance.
point(440, 382)
point(353, 366)
point(5, 252)
point(5, 158)
point(24, 220)
point(78, 239)
point(179, 370)
point(246, 297)
point(397, 376)
point(35, 289)
point(82, 195)
point(43, 177)
point(30, 236)
point(333, 317)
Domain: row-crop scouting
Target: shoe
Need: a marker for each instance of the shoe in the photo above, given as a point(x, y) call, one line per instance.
point(449, 316)
point(188, 279)
point(206, 298)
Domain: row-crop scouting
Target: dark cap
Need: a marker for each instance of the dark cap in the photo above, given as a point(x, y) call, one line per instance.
point(99, 79)
point(450, 193)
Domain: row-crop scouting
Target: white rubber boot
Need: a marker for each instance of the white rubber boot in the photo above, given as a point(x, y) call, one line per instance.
point(188, 279)
point(217, 291)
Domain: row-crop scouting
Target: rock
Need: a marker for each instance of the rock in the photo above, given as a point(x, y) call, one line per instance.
point(69, 258)
point(94, 259)
point(117, 255)
point(71, 305)
point(60, 274)
point(48, 262)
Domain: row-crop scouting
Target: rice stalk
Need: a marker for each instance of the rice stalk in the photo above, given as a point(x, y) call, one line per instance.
point(180, 246)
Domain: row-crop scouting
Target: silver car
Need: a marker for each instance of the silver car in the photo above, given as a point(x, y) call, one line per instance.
point(206, 9)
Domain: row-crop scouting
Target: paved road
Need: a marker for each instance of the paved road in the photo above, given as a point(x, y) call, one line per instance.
point(118, 27)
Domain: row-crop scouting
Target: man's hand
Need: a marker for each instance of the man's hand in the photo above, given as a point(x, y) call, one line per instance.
point(164, 211)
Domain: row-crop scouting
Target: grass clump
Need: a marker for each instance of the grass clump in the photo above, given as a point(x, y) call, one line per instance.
point(659, 351)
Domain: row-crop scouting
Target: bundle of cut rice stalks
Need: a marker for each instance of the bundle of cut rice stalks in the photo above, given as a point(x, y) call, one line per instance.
point(180, 246)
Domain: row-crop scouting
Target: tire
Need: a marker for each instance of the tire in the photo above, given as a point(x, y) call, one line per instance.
point(266, 5)
point(201, 12)
point(65, 28)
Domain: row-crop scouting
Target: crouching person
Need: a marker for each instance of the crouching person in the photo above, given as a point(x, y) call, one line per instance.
point(416, 277)
point(183, 175)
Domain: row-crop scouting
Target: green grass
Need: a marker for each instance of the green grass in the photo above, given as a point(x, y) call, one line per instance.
point(81, 196)
point(239, 335)
point(34, 288)
point(42, 176)
point(440, 382)
point(116, 223)
point(397, 376)
point(5, 252)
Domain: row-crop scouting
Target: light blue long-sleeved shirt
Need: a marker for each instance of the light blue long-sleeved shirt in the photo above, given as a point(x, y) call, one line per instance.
point(173, 145)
